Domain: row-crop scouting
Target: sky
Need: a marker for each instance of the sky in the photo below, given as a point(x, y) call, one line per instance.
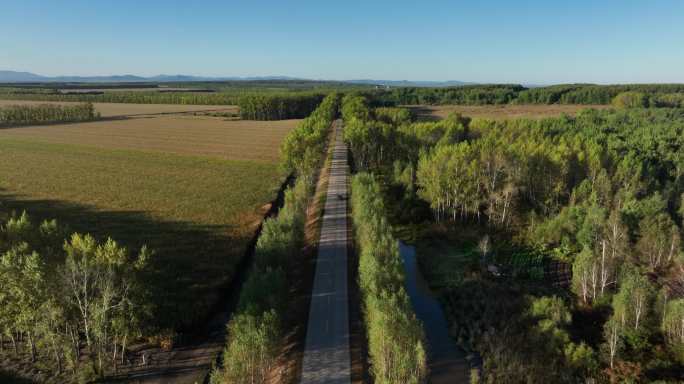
point(529, 42)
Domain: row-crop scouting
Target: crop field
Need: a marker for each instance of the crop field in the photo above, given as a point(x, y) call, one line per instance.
point(191, 188)
point(506, 111)
point(129, 109)
point(185, 135)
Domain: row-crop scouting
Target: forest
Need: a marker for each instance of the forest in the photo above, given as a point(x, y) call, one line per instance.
point(68, 298)
point(601, 193)
point(16, 115)
point(655, 95)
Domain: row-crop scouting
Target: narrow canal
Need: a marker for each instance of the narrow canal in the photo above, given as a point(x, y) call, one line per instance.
point(446, 360)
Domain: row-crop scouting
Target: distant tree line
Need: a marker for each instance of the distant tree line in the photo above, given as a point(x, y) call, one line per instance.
point(135, 97)
point(69, 301)
point(657, 95)
point(464, 95)
point(15, 115)
point(266, 99)
point(278, 107)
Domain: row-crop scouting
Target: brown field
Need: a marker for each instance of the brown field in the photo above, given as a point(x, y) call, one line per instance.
point(185, 135)
point(124, 109)
point(508, 111)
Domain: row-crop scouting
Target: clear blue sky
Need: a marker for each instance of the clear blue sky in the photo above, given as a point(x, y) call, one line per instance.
point(603, 41)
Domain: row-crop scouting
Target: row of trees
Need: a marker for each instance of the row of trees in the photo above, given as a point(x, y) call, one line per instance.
point(395, 336)
point(278, 107)
point(303, 147)
point(15, 115)
point(69, 300)
point(256, 330)
point(601, 191)
point(135, 97)
point(463, 95)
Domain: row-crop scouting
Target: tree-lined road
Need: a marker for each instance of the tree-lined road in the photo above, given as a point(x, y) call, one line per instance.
point(326, 354)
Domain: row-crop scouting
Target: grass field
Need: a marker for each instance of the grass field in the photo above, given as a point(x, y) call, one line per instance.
point(186, 135)
point(123, 109)
point(191, 188)
point(506, 111)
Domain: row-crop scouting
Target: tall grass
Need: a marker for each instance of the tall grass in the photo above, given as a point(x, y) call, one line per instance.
point(395, 336)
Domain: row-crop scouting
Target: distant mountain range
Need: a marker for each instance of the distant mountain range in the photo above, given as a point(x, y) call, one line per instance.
point(27, 77)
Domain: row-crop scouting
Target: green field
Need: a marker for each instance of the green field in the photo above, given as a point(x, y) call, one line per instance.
point(197, 212)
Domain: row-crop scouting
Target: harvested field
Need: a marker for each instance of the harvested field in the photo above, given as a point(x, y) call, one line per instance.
point(123, 109)
point(186, 135)
point(506, 111)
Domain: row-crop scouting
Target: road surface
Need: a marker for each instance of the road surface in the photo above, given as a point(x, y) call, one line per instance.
point(326, 354)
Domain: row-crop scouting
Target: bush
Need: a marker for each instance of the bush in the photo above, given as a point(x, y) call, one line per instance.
point(630, 100)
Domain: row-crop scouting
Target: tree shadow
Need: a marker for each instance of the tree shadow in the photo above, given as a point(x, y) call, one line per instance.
point(192, 267)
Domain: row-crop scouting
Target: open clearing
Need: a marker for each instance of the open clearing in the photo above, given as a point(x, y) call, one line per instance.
point(125, 109)
point(230, 140)
point(506, 111)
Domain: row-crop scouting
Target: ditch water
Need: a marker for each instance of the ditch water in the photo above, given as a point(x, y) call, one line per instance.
point(446, 360)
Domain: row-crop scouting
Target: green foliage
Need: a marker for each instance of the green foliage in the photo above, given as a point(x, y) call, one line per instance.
point(601, 191)
point(303, 147)
point(15, 115)
point(252, 348)
point(630, 100)
point(277, 107)
point(255, 331)
point(91, 294)
point(464, 95)
point(395, 336)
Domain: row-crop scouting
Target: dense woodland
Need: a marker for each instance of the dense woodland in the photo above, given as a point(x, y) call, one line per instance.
point(601, 193)
point(16, 115)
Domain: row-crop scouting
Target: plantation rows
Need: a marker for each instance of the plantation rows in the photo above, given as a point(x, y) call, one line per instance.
point(15, 115)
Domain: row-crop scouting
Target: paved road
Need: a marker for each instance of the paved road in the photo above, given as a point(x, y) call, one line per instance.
point(326, 355)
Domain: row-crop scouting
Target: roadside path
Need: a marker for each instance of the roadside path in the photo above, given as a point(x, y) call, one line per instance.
point(326, 354)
